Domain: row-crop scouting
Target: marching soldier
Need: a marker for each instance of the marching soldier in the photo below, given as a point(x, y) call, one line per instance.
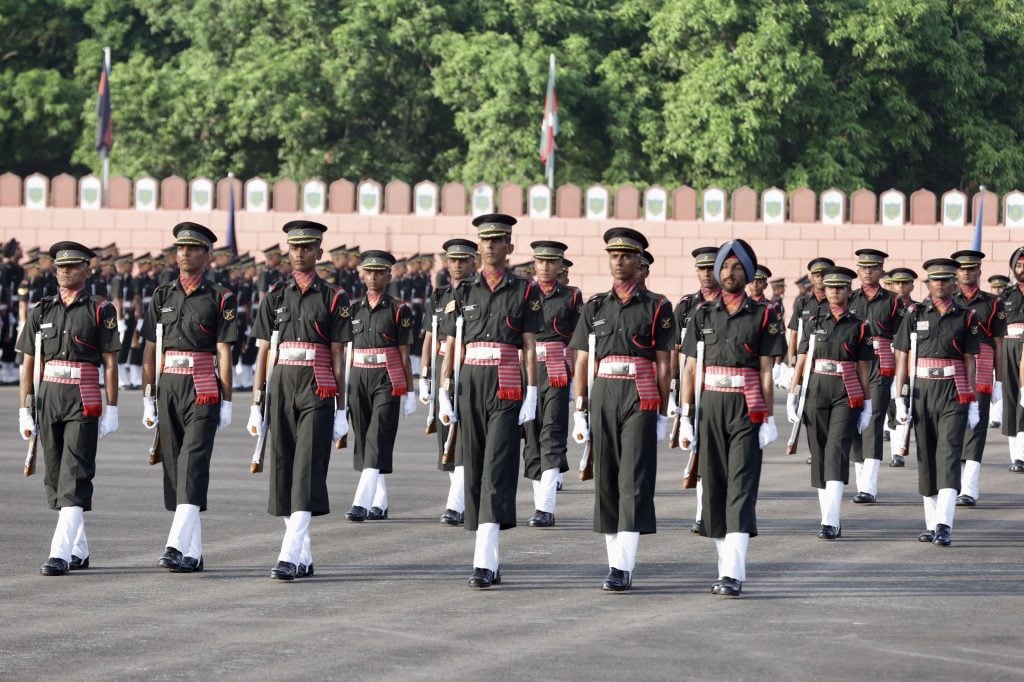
point(836, 407)
point(124, 303)
point(812, 295)
point(901, 282)
point(883, 311)
point(170, 272)
point(644, 271)
point(634, 336)
point(198, 326)
point(306, 410)
point(991, 320)
point(11, 274)
point(460, 259)
point(381, 334)
point(704, 261)
point(544, 455)
point(1013, 345)
point(563, 276)
point(270, 274)
point(502, 315)
point(944, 403)
point(78, 335)
point(998, 283)
point(778, 293)
point(143, 286)
point(244, 355)
point(741, 341)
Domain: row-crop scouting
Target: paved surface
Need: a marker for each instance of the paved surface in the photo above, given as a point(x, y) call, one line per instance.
point(390, 601)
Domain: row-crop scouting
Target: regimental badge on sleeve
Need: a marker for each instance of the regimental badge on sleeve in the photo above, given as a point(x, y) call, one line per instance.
point(229, 314)
point(534, 306)
point(666, 323)
point(111, 323)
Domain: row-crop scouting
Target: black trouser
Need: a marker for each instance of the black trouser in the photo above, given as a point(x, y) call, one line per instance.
point(940, 420)
point(374, 414)
point(729, 464)
point(1013, 416)
point(187, 431)
point(546, 435)
point(831, 426)
point(974, 439)
point(869, 445)
point(68, 440)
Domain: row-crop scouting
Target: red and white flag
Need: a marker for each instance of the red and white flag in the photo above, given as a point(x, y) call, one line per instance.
point(549, 127)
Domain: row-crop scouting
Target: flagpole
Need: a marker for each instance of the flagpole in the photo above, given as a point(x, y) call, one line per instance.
point(976, 244)
point(106, 157)
point(551, 156)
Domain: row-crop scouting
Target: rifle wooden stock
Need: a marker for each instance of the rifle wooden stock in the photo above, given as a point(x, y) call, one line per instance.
point(673, 434)
point(155, 456)
point(912, 381)
point(434, 370)
point(342, 442)
point(448, 456)
point(154, 450)
point(256, 465)
point(33, 441)
point(587, 462)
point(690, 474)
point(794, 436)
point(32, 403)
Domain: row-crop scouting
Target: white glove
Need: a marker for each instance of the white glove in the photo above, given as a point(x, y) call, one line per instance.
point(445, 411)
point(580, 428)
point(138, 325)
point(673, 406)
point(1021, 401)
point(901, 411)
point(687, 438)
point(662, 430)
point(225, 414)
point(122, 327)
point(149, 418)
point(341, 421)
point(973, 416)
point(409, 406)
point(108, 421)
point(865, 416)
point(792, 400)
point(997, 392)
point(255, 425)
point(528, 412)
point(26, 425)
point(767, 434)
point(424, 390)
point(892, 391)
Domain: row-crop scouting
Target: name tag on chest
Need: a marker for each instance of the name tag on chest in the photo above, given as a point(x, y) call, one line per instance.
point(922, 325)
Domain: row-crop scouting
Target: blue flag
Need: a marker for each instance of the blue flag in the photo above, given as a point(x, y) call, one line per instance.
point(976, 244)
point(231, 219)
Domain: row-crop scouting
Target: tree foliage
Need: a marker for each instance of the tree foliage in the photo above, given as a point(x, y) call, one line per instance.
point(818, 93)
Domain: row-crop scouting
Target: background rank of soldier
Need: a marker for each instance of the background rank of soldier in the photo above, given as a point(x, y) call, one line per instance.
point(460, 259)
point(634, 335)
point(143, 286)
point(991, 320)
point(121, 293)
point(901, 283)
point(742, 339)
point(382, 332)
point(11, 275)
point(883, 311)
point(836, 407)
point(78, 335)
point(944, 401)
point(199, 326)
point(997, 285)
point(1013, 345)
point(544, 454)
point(306, 409)
point(502, 315)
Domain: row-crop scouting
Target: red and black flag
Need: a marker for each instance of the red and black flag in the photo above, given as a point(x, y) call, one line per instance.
point(104, 131)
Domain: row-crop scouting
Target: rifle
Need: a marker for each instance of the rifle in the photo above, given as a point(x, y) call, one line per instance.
point(586, 461)
point(677, 387)
point(154, 450)
point(448, 456)
point(32, 403)
point(432, 402)
point(802, 402)
point(343, 441)
point(690, 474)
point(905, 445)
point(256, 466)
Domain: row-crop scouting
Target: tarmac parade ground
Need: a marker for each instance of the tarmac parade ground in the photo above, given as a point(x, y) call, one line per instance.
point(389, 600)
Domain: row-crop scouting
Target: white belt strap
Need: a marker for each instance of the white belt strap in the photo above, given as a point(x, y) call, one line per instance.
point(618, 368)
point(371, 358)
point(936, 372)
point(179, 361)
point(62, 372)
point(483, 353)
point(297, 354)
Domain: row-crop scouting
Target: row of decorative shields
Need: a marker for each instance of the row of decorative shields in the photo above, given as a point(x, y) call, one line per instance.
point(597, 201)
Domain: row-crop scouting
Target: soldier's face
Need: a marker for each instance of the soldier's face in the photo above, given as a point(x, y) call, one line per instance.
point(817, 280)
point(495, 251)
point(72, 276)
point(376, 280)
point(1018, 269)
point(461, 268)
point(339, 261)
point(778, 289)
point(869, 276)
point(304, 257)
point(732, 275)
point(968, 277)
point(642, 272)
point(941, 288)
point(837, 295)
point(623, 265)
point(706, 278)
point(192, 259)
point(758, 286)
point(546, 270)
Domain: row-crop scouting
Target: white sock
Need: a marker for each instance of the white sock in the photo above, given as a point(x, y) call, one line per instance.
point(970, 476)
point(122, 375)
point(700, 499)
point(732, 555)
point(1017, 447)
point(545, 491)
point(380, 496)
point(561, 479)
point(195, 545)
point(135, 374)
point(858, 474)
point(871, 467)
point(80, 547)
point(186, 516)
point(612, 547)
point(457, 490)
point(486, 551)
point(68, 521)
point(366, 489)
point(306, 555)
point(896, 439)
point(930, 504)
point(833, 503)
point(945, 506)
point(296, 528)
point(628, 542)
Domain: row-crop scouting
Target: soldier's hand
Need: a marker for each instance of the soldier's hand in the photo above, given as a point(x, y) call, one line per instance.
point(26, 424)
point(528, 412)
point(409, 406)
point(768, 433)
point(673, 404)
point(973, 415)
point(149, 418)
point(424, 390)
point(445, 411)
point(662, 427)
point(997, 392)
point(122, 327)
point(865, 416)
point(255, 425)
point(580, 428)
point(108, 421)
point(687, 438)
point(901, 411)
point(225, 415)
point(792, 401)
point(341, 424)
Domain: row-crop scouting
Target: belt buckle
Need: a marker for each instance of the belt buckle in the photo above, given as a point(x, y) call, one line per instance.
point(61, 372)
point(619, 369)
point(724, 381)
point(935, 372)
point(830, 367)
point(295, 354)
